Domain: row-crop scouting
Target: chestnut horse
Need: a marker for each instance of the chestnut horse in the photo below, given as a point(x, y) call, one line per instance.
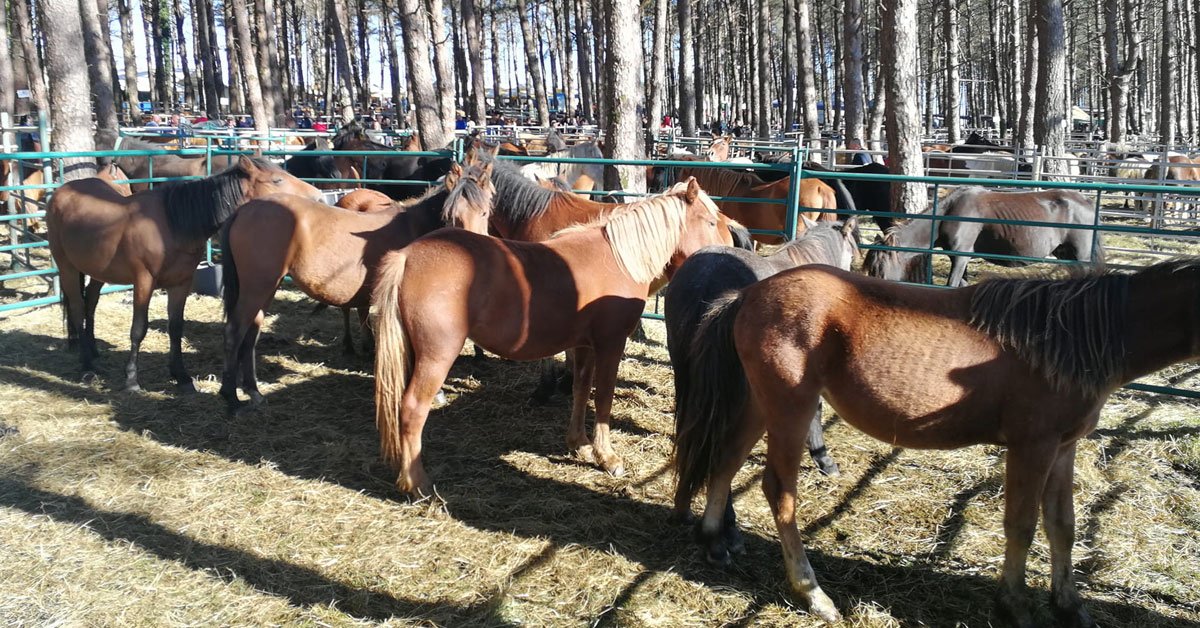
point(585, 289)
point(366, 201)
point(331, 255)
point(814, 194)
point(713, 271)
point(152, 239)
point(1055, 206)
point(1025, 363)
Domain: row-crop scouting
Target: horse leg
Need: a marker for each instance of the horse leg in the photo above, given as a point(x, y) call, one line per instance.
point(368, 338)
point(547, 382)
point(429, 372)
point(606, 363)
point(717, 529)
point(958, 271)
point(1027, 467)
point(176, 299)
point(779, 485)
point(142, 289)
point(347, 338)
point(816, 446)
point(91, 297)
point(584, 368)
point(235, 332)
point(1058, 512)
point(248, 363)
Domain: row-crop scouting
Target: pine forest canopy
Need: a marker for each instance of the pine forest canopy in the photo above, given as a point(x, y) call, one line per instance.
point(1030, 70)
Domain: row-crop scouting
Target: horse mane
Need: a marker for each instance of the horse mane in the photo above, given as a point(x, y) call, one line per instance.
point(1070, 329)
point(722, 181)
point(517, 198)
point(644, 236)
point(820, 244)
point(196, 209)
point(468, 189)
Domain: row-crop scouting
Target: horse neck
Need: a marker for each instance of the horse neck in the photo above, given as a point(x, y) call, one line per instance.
point(1161, 329)
point(812, 249)
point(425, 215)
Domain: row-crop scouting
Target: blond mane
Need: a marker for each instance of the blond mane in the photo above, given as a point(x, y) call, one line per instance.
point(644, 235)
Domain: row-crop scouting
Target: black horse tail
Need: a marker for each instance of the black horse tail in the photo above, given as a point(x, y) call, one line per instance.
point(845, 201)
point(229, 273)
point(707, 415)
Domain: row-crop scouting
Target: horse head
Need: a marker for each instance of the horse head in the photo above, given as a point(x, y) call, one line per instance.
point(261, 177)
point(718, 150)
point(469, 204)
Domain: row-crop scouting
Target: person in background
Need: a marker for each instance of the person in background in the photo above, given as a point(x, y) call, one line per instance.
point(246, 123)
point(28, 141)
point(320, 126)
point(182, 127)
point(860, 157)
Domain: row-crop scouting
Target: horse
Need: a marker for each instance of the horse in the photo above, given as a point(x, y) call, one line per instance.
point(331, 254)
point(991, 163)
point(1128, 166)
point(865, 194)
point(572, 173)
point(115, 177)
point(396, 166)
point(713, 271)
point(164, 165)
point(585, 289)
point(814, 195)
point(1177, 168)
point(1057, 206)
point(367, 201)
point(1027, 363)
point(321, 166)
point(151, 239)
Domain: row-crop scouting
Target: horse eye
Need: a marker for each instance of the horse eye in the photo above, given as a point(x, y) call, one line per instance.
point(279, 180)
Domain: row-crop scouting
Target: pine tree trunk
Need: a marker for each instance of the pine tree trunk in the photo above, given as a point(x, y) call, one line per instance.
point(584, 51)
point(687, 70)
point(99, 73)
point(266, 71)
point(339, 24)
point(162, 49)
point(533, 64)
point(471, 22)
point(362, 59)
point(258, 107)
point(658, 72)
point(207, 57)
point(269, 51)
point(387, 20)
point(497, 99)
point(950, 37)
point(698, 63)
point(1050, 120)
point(8, 86)
point(444, 66)
point(624, 68)
point(806, 70)
point(763, 15)
point(237, 82)
point(899, 63)
point(788, 61)
point(191, 92)
point(1025, 134)
point(1167, 102)
point(462, 81)
point(599, 43)
point(66, 68)
point(852, 78)
point(420, 71)
point(33, 64)
point(878, 107)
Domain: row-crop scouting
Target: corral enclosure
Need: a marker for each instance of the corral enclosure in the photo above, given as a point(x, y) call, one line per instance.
point(122, 508)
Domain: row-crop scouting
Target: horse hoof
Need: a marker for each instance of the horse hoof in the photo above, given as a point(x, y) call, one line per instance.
point(683, 518)
point(733, 540)
point(440, 398)
point(1075, 616)
point(820, 605)
point(257, 399)
point(133, 387)
point(828, 467)
point(718, 554)
point(1012, 611)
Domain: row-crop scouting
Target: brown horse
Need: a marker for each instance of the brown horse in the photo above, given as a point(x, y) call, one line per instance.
point(366, 201)
point(584, 289)
point(1025, 363)
point(814, 194)
point(331, 255)
point(165, 165)
point(1178, 170)
point(152, 239)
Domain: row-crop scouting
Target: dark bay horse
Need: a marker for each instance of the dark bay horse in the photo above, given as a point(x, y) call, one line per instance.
point(715, 270)
point(306, 166)
point(392, 165)
point(331, 254)
point(152, 239)
point(1058, 206)
point(166, 165)
point(584, 289)
point(867, 195)
point(1024, 363)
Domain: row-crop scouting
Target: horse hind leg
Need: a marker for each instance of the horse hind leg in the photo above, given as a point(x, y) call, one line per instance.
point(347, 337)
point(584, 370)
point(176, 300)
point(71, 283)
point(816, 446)
point(91, 299)
point(364, 329)
point(142, 290)
point(1027, 468)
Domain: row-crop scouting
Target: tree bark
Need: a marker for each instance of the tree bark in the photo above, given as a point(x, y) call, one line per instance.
point(658, 72)
point(200, 14)
point(270, 53)
point(852, 77)
point(478, 103)
point(130, 61)
point(533, 64)
point(99, 73)
point(339, 23)
point(764, 68)
point(1167, 73)
point(624, 68)
point(420, 71)
point(584, 51)
point(1024, 139)
point(1050, 120)
point(258, 107)
point(33, 64)
point(161, 46)
point(687, 70)
point(805, 68)
point(191, 90)
point(444, 67)
point(497, 101)
point(952, 86)
point(8, 87)
point(899, 63)
point(66, 68)
point(387, 19)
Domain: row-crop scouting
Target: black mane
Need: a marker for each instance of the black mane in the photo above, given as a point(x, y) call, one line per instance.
point(516, 198)
point(196, 209)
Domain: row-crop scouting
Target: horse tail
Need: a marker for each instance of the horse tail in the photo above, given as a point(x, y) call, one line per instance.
point(717, 390)
point(393, 354)
point(231, 287)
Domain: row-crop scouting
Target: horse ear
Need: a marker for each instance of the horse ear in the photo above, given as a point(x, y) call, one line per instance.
point(693, 190)
point(247, 164)
point(492, 149)
point(851, 225)
point(485, 173)
point(808, 222)
point(453, 176)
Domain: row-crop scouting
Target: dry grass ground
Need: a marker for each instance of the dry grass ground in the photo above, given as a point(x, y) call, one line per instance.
point(121, 509)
